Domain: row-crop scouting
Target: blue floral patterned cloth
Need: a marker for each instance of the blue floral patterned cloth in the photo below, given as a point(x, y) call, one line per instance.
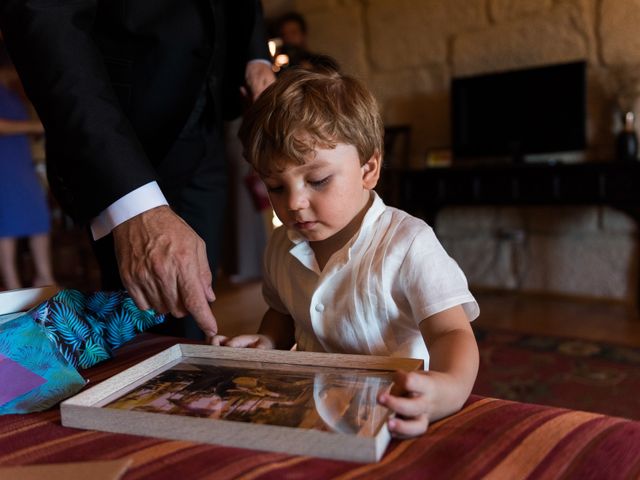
point(86, 328)
point(69, 331)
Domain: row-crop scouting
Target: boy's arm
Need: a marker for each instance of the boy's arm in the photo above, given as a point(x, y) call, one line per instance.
point(419, 398)
point(453, 359)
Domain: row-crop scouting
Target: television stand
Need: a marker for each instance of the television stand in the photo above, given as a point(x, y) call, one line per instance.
point(424, 192)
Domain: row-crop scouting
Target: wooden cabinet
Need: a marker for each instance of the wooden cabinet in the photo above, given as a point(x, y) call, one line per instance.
point(424, 192)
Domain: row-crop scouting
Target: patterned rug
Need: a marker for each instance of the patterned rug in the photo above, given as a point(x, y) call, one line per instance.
point(555, 371)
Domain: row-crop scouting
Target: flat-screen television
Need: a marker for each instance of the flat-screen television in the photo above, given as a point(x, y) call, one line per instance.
point(516, 114)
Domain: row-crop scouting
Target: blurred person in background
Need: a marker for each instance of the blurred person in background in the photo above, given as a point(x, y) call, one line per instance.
point(291, 29)
point(23, 207)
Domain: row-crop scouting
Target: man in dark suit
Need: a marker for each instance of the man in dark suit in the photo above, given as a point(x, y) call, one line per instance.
point(130, 93)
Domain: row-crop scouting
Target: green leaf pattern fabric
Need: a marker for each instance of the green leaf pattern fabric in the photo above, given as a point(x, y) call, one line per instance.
point(87, 328)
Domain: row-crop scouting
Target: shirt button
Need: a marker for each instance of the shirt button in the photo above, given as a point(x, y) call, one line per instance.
point(320, 308)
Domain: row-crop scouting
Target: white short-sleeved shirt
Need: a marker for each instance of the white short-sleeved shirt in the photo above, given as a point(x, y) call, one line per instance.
point(373, 293)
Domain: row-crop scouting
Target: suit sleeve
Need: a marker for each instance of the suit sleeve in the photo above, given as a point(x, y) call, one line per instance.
point(257, 47)
point(246, 41)
point(93, 152)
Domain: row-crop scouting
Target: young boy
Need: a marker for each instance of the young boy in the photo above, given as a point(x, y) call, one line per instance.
point(346, 273)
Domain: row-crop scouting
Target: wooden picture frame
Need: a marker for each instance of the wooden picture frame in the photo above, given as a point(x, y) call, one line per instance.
point(305, 403)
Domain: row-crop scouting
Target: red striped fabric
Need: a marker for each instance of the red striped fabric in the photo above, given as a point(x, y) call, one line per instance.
point(489, 438)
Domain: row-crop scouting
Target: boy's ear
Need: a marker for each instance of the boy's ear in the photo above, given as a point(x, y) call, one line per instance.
point(371, 171)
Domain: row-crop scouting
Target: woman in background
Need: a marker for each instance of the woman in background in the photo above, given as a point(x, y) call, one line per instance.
point(23, 207)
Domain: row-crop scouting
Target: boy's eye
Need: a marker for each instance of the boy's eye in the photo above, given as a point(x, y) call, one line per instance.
point(319, 183)
point(274, 189)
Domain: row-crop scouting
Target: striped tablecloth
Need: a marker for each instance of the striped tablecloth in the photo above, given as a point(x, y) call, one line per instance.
point(489, 438)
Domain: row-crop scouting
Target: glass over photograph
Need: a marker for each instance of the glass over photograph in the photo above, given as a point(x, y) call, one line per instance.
point(321, 398)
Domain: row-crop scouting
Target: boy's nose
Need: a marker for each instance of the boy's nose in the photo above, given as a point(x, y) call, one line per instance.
point(297, 201)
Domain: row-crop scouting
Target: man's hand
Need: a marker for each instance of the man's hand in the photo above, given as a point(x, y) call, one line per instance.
point(163, 264)
point(258, 76)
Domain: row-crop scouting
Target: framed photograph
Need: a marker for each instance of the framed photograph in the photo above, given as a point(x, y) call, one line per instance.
point(316, 404)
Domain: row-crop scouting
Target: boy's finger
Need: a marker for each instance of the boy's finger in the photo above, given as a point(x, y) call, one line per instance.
point(405, 406)
point(218, 340)
point(409, 383)
point(411, 427)
point(242, 341)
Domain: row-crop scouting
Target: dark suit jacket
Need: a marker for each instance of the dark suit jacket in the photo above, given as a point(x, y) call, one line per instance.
point(115, 81)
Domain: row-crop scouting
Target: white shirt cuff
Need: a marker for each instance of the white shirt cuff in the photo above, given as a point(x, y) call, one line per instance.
point(133, 203)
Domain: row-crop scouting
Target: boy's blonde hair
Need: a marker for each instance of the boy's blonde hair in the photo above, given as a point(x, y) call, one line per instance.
point(306, 109)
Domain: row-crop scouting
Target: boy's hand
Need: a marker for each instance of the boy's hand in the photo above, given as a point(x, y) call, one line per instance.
point(412, 398)
point(243, 341)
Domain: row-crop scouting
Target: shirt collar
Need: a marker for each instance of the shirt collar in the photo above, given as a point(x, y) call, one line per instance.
point(302, 251)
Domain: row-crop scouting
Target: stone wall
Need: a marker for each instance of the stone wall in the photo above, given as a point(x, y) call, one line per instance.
point(407, 52)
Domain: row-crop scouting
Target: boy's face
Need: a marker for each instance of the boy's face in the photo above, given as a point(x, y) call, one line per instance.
point(321, 197)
